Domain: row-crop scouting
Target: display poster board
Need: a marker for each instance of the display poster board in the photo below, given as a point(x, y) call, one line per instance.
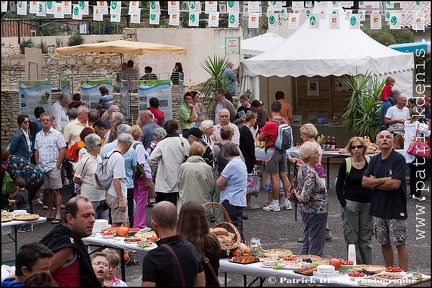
point(124, 99)
point(33, 94)
point(65, 87)
point(90, 93)
point(160, 89)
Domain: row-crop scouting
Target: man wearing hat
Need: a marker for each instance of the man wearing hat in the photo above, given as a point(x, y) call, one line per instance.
point(195, 134)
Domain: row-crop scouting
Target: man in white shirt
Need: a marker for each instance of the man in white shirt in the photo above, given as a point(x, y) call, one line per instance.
point(50, 150)
point(73, 129)
point(59, 110)
point(397, 115)
point(116, 195)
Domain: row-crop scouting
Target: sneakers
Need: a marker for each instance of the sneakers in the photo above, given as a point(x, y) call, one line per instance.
point(272, 207)
point(287, 205)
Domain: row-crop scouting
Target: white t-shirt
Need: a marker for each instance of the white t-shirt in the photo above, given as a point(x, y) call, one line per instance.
point(116, 167)
point(394, 113)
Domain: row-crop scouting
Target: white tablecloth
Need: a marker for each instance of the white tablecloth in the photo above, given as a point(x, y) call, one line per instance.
point(281, 276)
point(116, 242)
point(7, 226)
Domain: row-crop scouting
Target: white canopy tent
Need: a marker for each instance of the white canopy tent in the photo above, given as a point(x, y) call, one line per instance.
point(260, 44)
point(323, 52)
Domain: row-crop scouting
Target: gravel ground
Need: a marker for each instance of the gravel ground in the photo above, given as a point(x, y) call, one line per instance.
point(280, 230)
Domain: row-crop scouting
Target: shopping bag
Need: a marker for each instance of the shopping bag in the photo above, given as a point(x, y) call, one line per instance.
point(253, 183)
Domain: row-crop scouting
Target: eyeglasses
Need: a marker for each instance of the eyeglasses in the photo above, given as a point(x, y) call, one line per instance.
point(26, 122)
point(357, 146)
point(99, 263)
point(99, 144)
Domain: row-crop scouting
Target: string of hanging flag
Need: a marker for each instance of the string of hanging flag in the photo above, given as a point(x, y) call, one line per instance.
point(397, 14)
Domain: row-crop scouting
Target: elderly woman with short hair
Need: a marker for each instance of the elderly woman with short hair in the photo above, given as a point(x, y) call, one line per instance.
point(85, 169)
point(195, 178)
point(207, 128)
point(312, 195)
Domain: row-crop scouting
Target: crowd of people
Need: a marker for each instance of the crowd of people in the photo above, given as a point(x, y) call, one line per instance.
point(177, 165)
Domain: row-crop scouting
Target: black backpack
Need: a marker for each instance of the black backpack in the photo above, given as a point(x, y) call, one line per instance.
point(221, 160)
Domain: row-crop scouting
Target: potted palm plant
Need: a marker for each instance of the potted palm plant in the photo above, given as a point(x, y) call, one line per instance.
point(214, 66)
point(362, 114)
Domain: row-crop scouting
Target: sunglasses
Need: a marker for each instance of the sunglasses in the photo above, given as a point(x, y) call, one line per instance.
point(26, 122)
point(357, 146)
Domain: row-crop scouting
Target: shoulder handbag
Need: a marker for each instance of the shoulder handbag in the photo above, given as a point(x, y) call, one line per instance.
point(178, 263)
point(253, 183)
point(418, 147)
point(207, 262)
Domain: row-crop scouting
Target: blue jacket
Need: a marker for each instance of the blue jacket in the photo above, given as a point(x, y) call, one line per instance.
point(10, 282)
point(18, 145)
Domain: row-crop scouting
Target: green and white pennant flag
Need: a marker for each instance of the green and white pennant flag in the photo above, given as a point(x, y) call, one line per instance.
point(283, 14)
point(395, 21)
point(115, 17)
point(154, 18)
point(22, 8)
point(154, 7)
point(115, 7)
point(314, 21)
point(194, 6)
point(233, 20)
point(233, 7)
point(274, 6)
point(41, 9)
point(298, 4)
point(76, 12)
point(362, 14)
point(307, 13)
point(418, 23)
point(84, 6)
point(354, 22)
point(193, 19)
point(273, 20)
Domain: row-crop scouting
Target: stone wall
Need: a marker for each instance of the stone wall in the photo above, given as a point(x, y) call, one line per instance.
point(74, 68)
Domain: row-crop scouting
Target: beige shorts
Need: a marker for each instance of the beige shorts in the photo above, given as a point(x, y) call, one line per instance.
point(53, 179)
point(113, 204)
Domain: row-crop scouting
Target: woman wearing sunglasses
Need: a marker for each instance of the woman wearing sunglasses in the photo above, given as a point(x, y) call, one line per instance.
point(355, 200)
point(20, 144)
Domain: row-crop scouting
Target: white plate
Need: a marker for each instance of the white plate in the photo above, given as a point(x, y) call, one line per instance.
point(107, 236)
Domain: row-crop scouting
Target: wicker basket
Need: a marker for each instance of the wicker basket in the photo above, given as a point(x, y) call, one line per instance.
point(232, 229)
point(215, 205)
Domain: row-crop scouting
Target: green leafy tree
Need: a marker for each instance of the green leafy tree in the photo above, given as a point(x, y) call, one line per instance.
point(26, 43)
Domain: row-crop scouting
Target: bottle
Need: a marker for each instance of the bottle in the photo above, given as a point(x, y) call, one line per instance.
point(323, 142)
point(333, 143)
point(352, 253)
point(328, 142)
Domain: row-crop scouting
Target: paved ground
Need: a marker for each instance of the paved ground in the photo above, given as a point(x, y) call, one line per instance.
point(279, 229)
